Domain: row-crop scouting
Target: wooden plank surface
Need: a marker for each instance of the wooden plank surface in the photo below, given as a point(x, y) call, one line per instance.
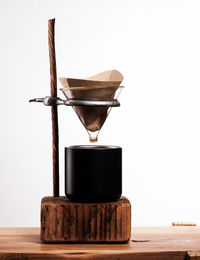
point(146, 243)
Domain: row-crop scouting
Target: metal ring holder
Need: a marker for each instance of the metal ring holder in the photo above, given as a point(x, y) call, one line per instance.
point(56, 101)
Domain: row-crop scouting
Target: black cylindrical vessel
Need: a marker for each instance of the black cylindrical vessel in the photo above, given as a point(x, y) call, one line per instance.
point(93, 173)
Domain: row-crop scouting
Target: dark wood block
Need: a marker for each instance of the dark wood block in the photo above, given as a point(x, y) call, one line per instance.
point(66, 221)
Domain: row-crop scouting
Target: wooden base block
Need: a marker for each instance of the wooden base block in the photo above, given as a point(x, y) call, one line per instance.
point(66, 221)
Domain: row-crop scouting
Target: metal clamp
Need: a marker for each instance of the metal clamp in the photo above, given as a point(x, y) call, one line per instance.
point(56, 101)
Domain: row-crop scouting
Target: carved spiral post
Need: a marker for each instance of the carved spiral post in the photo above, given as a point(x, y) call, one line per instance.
point(54, 113)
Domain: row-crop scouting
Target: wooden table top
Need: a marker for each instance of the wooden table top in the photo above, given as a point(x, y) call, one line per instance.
point(146, 243)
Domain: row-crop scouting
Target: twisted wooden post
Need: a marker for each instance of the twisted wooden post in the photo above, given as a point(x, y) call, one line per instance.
point(54, 113)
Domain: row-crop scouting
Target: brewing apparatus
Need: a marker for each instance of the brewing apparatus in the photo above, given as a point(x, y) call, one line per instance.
point(93, 209)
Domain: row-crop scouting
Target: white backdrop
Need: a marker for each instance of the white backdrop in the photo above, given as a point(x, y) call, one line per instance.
point(156, 45)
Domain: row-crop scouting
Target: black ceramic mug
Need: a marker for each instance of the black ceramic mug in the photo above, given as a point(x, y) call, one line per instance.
point(93, 173)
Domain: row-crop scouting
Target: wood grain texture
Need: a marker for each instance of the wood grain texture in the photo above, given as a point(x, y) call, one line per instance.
point(195, 255)
point(65, 221)
point(168, 243)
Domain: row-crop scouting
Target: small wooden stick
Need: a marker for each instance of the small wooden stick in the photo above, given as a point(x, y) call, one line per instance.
point(54, 112)
point(184, 224)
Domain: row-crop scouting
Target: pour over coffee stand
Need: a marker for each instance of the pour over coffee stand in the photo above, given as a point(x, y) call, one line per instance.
point(63, 220)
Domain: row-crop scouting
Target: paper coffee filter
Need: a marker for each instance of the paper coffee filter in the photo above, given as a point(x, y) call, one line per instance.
point(109, 75)
point(92, 117)
point(91, 93)
point(106, 78)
